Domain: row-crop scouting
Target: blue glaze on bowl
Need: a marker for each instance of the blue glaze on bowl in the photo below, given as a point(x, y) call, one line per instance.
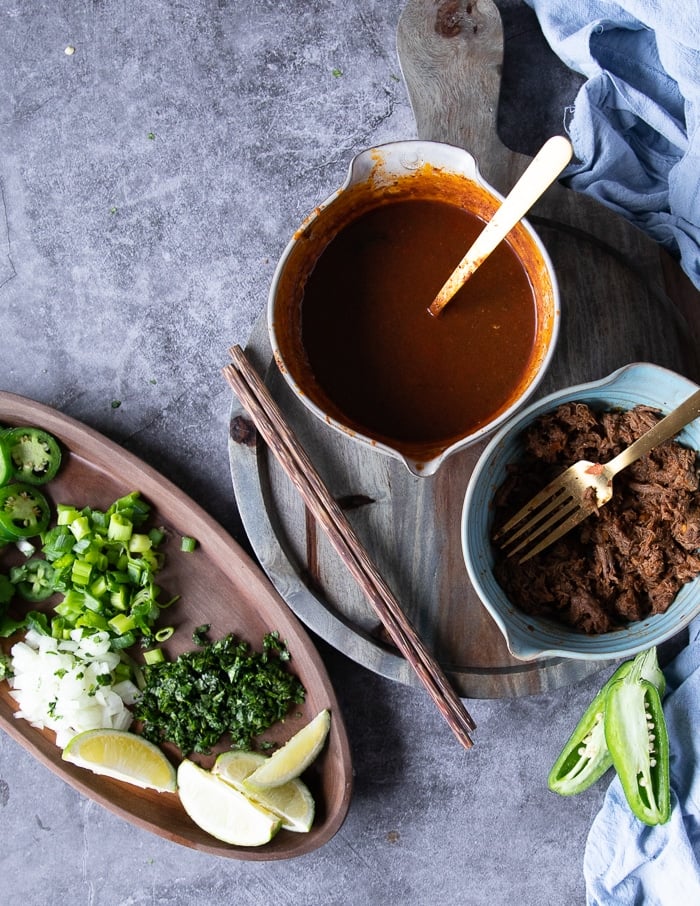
point(529, 637)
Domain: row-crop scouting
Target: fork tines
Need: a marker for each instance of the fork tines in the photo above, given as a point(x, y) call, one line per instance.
point(544, 519)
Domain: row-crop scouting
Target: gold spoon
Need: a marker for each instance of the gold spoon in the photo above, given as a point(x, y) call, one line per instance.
point(544, 168)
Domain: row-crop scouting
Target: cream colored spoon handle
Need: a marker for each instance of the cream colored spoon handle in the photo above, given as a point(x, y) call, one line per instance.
point(544, 168)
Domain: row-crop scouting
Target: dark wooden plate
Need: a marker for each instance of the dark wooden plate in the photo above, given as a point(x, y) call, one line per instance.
point(218, 585)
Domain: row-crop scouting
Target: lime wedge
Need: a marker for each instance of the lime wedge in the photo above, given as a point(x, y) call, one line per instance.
point(124, 756)
point(223, 811)
point(294, 757)
point(236, 765)
point(292, 801)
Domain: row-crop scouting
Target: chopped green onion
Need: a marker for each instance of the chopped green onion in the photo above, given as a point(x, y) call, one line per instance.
point(66, 514)
point(119, 599)
point(157, 536)
point(99, 586)
point(57, 542)
point(125, 640)
point(80, 573)
point(73, 600)
point(122, 623)
point(91, 620)
point(80, 527)
point(105, 567)
point(139, 544)
point(92, 603)
point(169, 603)
point(188, 544)
point(154, 656)
point(120, 528)
point(164, 634)
point(58, 628)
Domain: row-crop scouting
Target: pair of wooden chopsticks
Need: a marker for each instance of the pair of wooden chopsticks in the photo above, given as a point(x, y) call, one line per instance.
point(269, 421)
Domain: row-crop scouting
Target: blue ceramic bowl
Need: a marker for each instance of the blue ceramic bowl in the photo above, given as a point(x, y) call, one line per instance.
point(531, 637)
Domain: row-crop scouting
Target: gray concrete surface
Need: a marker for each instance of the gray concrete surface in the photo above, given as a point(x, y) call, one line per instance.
point(149, 182)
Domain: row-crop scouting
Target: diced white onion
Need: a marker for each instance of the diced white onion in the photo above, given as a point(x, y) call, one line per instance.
point(127, 691)
point(55, 684)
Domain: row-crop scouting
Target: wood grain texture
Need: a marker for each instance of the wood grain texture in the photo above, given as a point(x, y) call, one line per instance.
point(622, 301)
point(328, 513)
point(219, 585)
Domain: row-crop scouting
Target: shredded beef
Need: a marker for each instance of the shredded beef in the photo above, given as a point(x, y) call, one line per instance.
point(630, 558)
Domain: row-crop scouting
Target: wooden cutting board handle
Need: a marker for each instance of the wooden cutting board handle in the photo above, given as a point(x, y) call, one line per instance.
point(451, 55)
point(615, 281)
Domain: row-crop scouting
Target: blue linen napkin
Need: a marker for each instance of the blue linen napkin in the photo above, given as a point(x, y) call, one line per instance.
point(635, 123)
point(626, 862)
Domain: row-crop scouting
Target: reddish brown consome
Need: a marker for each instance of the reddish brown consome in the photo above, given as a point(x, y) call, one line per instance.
point(353, 326)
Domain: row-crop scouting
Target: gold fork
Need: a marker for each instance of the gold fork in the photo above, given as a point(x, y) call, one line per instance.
point(568, 500)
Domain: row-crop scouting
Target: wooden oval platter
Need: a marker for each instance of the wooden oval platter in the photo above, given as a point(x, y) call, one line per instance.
point(218, 585)
point(622, 301)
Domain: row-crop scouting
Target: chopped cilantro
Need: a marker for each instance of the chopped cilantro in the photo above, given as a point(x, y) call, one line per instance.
point(199, 636)
point(224, 688)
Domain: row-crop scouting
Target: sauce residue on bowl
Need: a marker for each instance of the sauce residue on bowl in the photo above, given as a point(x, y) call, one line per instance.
point(388, 365)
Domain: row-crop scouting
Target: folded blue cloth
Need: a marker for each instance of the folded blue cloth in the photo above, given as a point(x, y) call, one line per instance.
point(625, 861)
point(635, 124)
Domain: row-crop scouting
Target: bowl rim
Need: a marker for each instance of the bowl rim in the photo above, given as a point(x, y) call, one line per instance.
point(531, 638)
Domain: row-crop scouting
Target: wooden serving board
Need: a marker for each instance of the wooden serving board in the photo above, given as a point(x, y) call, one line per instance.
point(622, 301)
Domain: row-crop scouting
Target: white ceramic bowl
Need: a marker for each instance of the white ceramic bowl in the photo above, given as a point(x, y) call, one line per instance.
point(428, 170)
point(531, 637)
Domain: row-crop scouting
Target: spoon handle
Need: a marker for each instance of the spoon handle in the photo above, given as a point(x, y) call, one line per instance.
point(544, 168)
